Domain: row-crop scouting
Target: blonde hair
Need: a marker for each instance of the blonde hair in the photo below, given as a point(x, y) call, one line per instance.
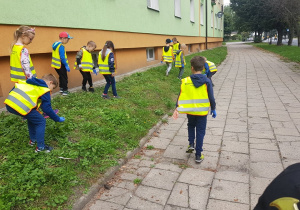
point(22, 30)
point(52, 78)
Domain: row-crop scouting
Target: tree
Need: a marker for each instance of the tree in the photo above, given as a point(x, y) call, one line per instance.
point(228, 21)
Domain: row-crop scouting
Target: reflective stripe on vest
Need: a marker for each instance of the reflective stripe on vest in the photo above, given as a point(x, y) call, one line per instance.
point(24, 97)
point(56, 61)
point(192, 100)
point(212, 66)
point(175, 48)
point(178, 60)
point(103, 65)
point(86, 61)
point(16, 70)
point(167, 56)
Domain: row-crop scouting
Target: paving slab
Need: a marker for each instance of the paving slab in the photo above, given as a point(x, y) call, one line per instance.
point(161, 179)
point(179, 196)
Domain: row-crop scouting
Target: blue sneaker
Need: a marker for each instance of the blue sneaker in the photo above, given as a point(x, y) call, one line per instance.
point(46, 149)
point(190, 148)
point(199, 158)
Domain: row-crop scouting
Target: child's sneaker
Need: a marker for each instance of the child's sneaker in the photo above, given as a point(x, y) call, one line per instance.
point(105, 96)
point(46, 149)
point(46, 116)
point(118, 97)
point(65, 93)
point(61, 90)
point(91, 89)
point(190, 148)
point(84, 88)
point(199, 158)
point(31, 143)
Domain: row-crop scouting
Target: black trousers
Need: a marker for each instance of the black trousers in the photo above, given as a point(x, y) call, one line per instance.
point(63, 77)
point(87, 77)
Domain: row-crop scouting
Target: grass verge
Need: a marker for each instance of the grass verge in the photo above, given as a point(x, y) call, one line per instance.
point(96, 134)
point(290, 52)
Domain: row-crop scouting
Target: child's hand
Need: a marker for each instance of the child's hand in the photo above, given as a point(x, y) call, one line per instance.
point(61, 119)
point(213, 113)
point(175, 114)
point(112, 74)
point(80, 66)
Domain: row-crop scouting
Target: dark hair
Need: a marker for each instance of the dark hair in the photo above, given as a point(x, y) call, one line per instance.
point(91, 43)
point(50, 77)
point(197, 63)
point(108, 44)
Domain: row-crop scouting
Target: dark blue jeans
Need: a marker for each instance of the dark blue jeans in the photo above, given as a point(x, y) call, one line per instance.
point(36, 126)
point(197, 123)
point(110, 81)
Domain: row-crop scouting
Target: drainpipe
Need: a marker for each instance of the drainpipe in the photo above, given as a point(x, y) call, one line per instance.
point(206, 24)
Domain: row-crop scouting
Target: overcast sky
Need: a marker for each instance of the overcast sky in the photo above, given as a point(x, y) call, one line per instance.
point(226, 2)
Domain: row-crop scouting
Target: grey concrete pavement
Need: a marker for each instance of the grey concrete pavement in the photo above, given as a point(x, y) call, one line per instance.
point(254, 137)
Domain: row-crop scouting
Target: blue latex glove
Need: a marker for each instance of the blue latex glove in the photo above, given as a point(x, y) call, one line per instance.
point(182, 65)
point(161, 62)
point(95, 71)
point(68, 69)
point(213, 113)
point(61, 119)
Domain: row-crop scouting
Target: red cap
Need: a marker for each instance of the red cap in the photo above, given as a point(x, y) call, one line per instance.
point(65, 35)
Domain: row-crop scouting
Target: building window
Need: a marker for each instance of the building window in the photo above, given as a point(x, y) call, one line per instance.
point(192, 11)
point(202, 14)
point(212, 19)
point(216, 21)
point(190, 48)
point(177, 8)
point(150, 54)
point(153, 4)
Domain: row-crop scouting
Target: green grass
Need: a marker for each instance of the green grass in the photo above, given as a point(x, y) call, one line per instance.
point(95, 135)
point(292, 53)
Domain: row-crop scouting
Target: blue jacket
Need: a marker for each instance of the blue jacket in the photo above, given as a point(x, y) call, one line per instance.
point(61, 53)
point(46, 99)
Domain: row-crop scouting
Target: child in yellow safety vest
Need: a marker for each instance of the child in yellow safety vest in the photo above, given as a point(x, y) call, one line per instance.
point(85, 64)
point(209, 69)
point(106, 63)
point(21, 67)
point(196, 96)
point(25, 99)
point(60, 61)
point(167, 55)
point(180, 60)
point(176, 46)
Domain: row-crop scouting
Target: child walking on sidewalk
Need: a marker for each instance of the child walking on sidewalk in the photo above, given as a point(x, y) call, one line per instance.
point(24, 100)
point(21, 67)
point(106, 63)
point(196, 96)
point(84, 62)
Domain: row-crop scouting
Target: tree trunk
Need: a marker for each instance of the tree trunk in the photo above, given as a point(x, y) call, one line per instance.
point(291, 35)
point(280, 34)
point(298, 33)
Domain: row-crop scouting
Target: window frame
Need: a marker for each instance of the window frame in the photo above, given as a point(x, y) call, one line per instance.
point(177, 8)
point(147, 53)
point(192, 11)
point(153, 5)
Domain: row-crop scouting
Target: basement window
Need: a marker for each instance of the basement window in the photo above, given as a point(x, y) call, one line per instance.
point(150, 54)
point(153, 4)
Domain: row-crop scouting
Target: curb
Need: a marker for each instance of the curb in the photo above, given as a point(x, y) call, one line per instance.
point(94, 189)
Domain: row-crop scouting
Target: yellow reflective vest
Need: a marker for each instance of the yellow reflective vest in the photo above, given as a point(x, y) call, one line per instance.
point(56, 61)
point(178, 62)
point(168, 56)
point(103, 65)
point(16, 70)
point(212, 67)
point(86, 61)
point(175, 48)
point(24, 97)
point(192, 100)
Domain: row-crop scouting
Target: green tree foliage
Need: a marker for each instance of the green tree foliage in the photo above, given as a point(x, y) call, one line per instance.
point(229, 17)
